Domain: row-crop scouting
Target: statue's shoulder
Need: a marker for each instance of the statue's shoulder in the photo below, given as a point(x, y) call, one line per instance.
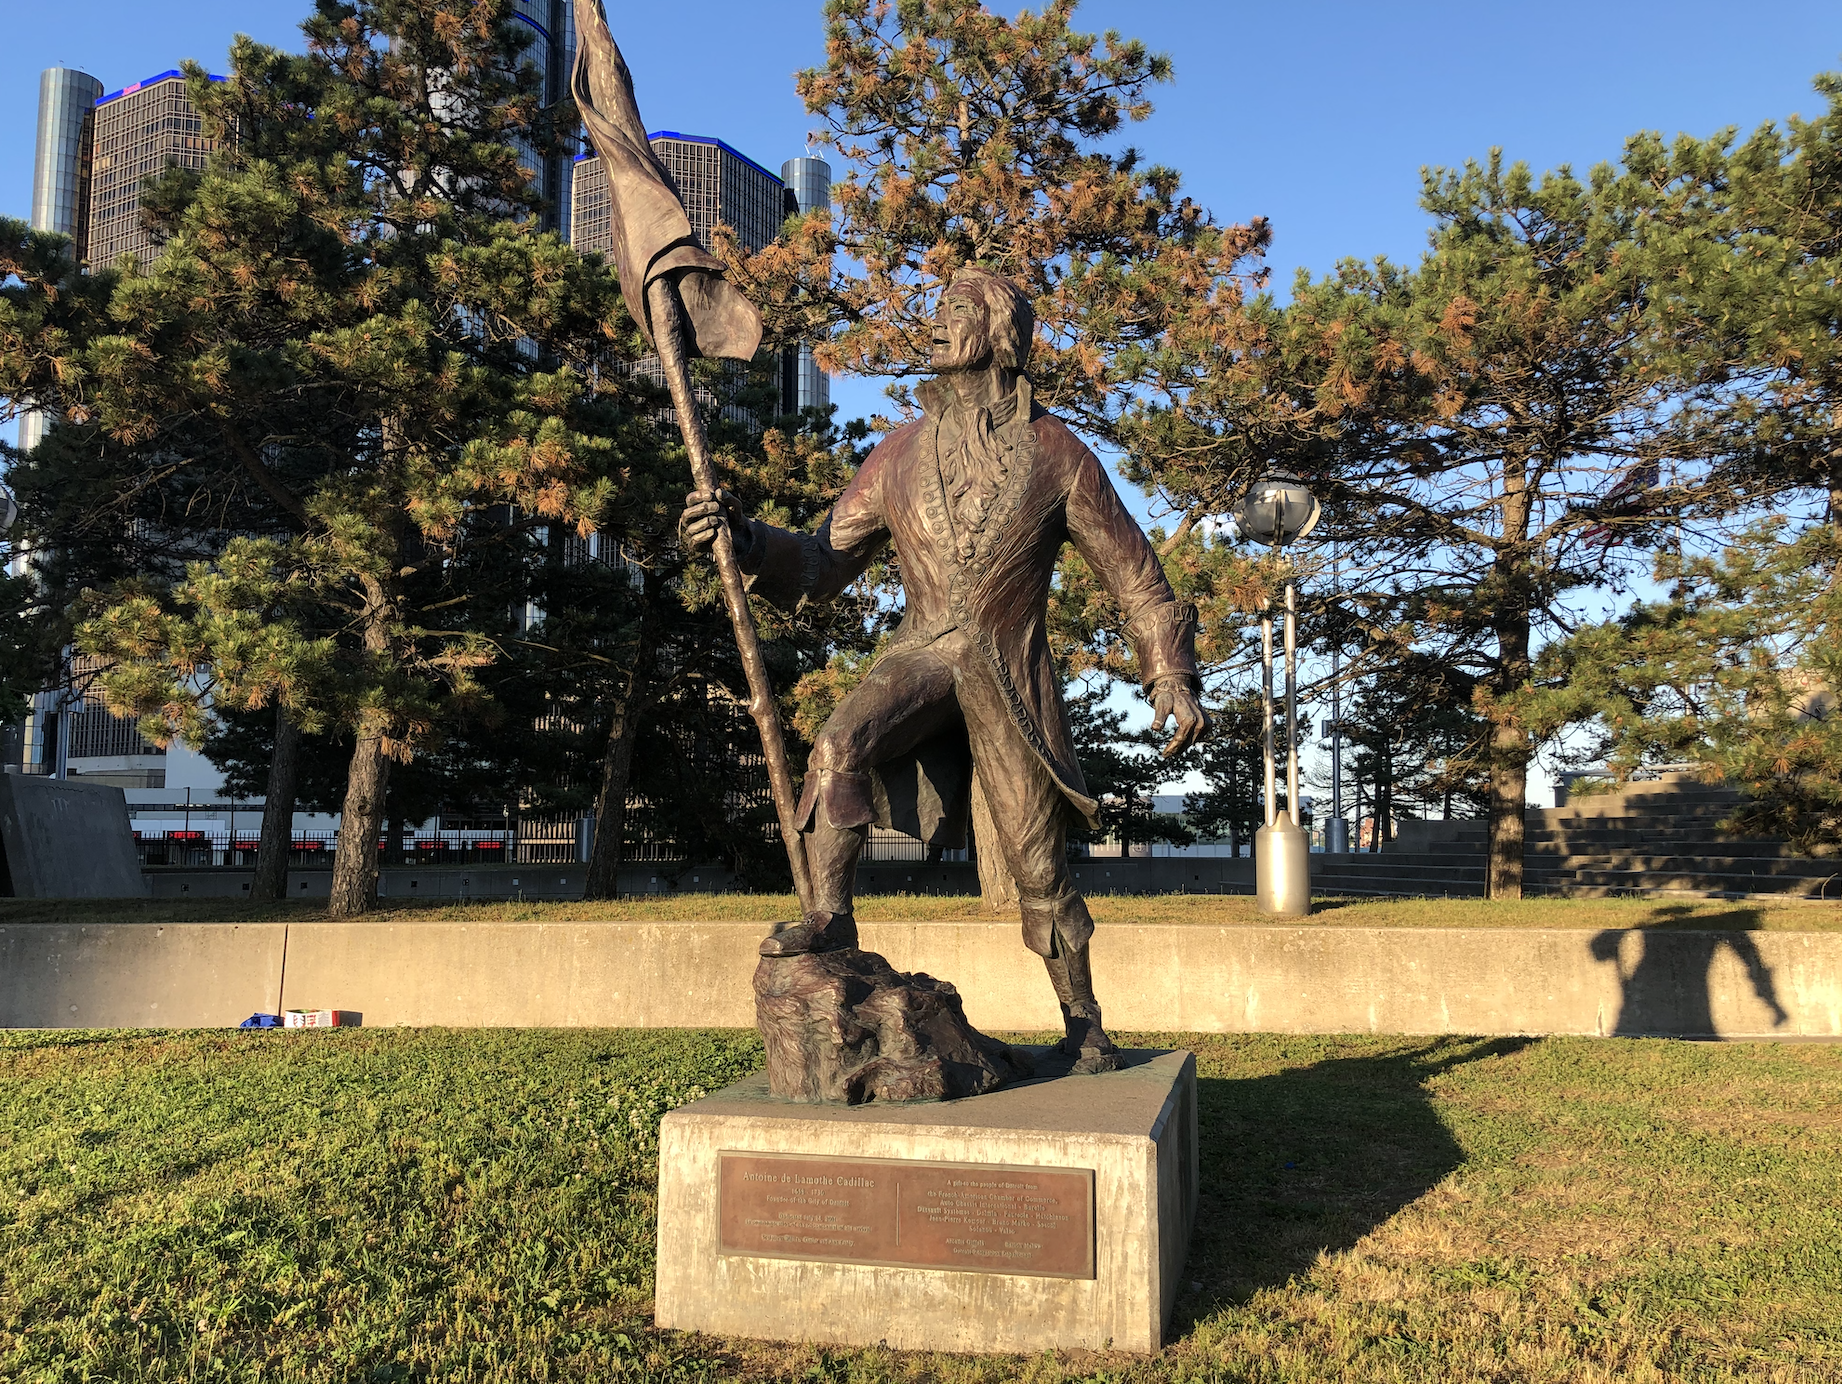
point(897, 446)
point(1056, 442)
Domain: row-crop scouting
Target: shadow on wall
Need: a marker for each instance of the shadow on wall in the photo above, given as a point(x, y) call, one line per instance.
point(1667, 990)
point(1308, 1161)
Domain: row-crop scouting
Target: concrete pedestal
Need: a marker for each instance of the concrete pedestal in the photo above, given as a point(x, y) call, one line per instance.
point(1055, 1213)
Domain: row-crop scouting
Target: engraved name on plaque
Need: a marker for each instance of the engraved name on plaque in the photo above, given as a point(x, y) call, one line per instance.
point(973, 1217)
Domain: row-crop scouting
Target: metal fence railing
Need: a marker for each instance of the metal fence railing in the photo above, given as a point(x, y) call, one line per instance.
point(213, 845)
point(198, 847)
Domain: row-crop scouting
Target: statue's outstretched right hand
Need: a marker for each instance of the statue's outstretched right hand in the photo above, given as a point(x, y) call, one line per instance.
point(705, 512)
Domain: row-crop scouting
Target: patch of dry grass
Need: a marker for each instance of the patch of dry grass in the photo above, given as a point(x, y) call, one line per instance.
point(1202, 909)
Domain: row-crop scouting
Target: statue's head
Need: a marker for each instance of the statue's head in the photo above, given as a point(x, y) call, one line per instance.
point(983, 320)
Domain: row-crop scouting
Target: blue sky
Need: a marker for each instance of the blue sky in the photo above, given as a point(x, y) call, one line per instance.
point(1317, 115)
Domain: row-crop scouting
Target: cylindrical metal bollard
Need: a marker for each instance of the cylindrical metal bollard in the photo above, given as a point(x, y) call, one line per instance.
point(1282, 869)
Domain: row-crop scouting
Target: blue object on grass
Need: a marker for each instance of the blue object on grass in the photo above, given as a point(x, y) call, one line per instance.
point(261, 1021)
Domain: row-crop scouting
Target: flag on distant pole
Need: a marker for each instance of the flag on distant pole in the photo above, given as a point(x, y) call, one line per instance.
point(652, 235)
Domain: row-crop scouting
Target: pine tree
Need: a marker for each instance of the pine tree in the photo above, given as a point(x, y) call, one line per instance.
point(1475, 426)
point(356, 299)
point(1748, 274)
point(1122, 770)
point(1736, 670)
point(974, 139)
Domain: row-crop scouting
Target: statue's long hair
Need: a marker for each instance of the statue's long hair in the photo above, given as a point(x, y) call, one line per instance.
point(1007, 308)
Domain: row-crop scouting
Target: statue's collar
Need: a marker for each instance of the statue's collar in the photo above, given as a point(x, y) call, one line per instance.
point(936, 397)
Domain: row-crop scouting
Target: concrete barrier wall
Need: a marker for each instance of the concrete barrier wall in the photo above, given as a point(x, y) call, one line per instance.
point(127, 975)
point(1164, 977)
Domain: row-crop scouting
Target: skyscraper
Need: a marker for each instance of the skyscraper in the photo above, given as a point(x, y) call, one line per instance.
point(809, 180)
point(95, 151)
point(554, 53)
point(141, 130)
point(66, 101)
point(717, 183)
point(60, 174)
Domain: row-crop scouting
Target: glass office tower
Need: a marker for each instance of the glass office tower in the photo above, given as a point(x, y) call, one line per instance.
point(809, 180)
point(141, 130)
point(716, 183)
point(60, 175)
point(66, 101)
point(553, 50)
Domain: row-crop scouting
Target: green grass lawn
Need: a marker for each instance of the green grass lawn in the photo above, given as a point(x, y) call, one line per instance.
point(1217, 909)
point(356, 1205)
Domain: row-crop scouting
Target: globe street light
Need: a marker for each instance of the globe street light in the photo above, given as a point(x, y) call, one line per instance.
point(1278, 510)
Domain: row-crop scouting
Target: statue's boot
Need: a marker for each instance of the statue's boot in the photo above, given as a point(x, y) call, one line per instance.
point(816, 932)
point(1084, 1038)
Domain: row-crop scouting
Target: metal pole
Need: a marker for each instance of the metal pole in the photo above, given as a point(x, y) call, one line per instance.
point(667, 312)
point(1336, 708)
point(1266, 704)
point(1292, 701)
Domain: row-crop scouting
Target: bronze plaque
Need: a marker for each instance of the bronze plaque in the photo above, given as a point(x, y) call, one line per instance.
point(977, 1217)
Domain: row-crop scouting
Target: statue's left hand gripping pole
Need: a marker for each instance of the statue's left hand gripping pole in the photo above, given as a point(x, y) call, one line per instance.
point(666, 310)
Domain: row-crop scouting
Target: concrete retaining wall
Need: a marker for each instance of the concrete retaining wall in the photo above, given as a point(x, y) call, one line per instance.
point(1163, 977)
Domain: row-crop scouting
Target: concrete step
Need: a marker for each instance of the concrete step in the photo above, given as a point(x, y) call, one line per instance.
point(1708, 882)
point(1658, 842)
point(1710, 863)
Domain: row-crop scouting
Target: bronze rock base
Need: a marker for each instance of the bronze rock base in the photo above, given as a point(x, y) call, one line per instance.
point(845, 1028)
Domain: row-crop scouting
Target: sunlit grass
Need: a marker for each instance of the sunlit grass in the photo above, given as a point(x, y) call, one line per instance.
point(359, 1205)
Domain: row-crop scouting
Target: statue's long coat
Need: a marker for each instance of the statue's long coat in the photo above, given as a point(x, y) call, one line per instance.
point(1054, 490)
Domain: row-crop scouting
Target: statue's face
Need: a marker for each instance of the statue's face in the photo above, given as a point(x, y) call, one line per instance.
point(962, 332)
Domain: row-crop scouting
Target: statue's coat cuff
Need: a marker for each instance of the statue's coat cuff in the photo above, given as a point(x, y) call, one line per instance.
point(777, 565)
point(1164, 639)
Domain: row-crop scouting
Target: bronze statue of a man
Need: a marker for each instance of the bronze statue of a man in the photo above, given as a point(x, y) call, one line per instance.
point(978, 498)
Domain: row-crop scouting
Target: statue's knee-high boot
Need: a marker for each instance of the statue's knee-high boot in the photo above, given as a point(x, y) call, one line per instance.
point(832, 836)
point(1084, 1036)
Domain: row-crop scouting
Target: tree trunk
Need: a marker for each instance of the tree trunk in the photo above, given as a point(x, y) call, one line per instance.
point(611, 803)
point(396, 854)
point(277, 840)
point(604, 858)
point(1835, 491)
point(1509, 776)
point(1509, 744)
point(355, 866)
point(997, 889)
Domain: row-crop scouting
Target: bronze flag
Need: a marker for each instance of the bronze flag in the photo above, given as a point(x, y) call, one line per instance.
point(652, 235)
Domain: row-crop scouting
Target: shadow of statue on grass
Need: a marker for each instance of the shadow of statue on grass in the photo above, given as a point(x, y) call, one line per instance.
point(1666, 991)
point(1309, 1160)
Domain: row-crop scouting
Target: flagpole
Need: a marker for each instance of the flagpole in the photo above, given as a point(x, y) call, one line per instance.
point(666, 309)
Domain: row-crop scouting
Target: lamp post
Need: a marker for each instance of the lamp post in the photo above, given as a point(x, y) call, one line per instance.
point(1337, 829)
point(1279, 510)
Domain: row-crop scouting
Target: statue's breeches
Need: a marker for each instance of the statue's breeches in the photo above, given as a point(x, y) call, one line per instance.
point(910, 696)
